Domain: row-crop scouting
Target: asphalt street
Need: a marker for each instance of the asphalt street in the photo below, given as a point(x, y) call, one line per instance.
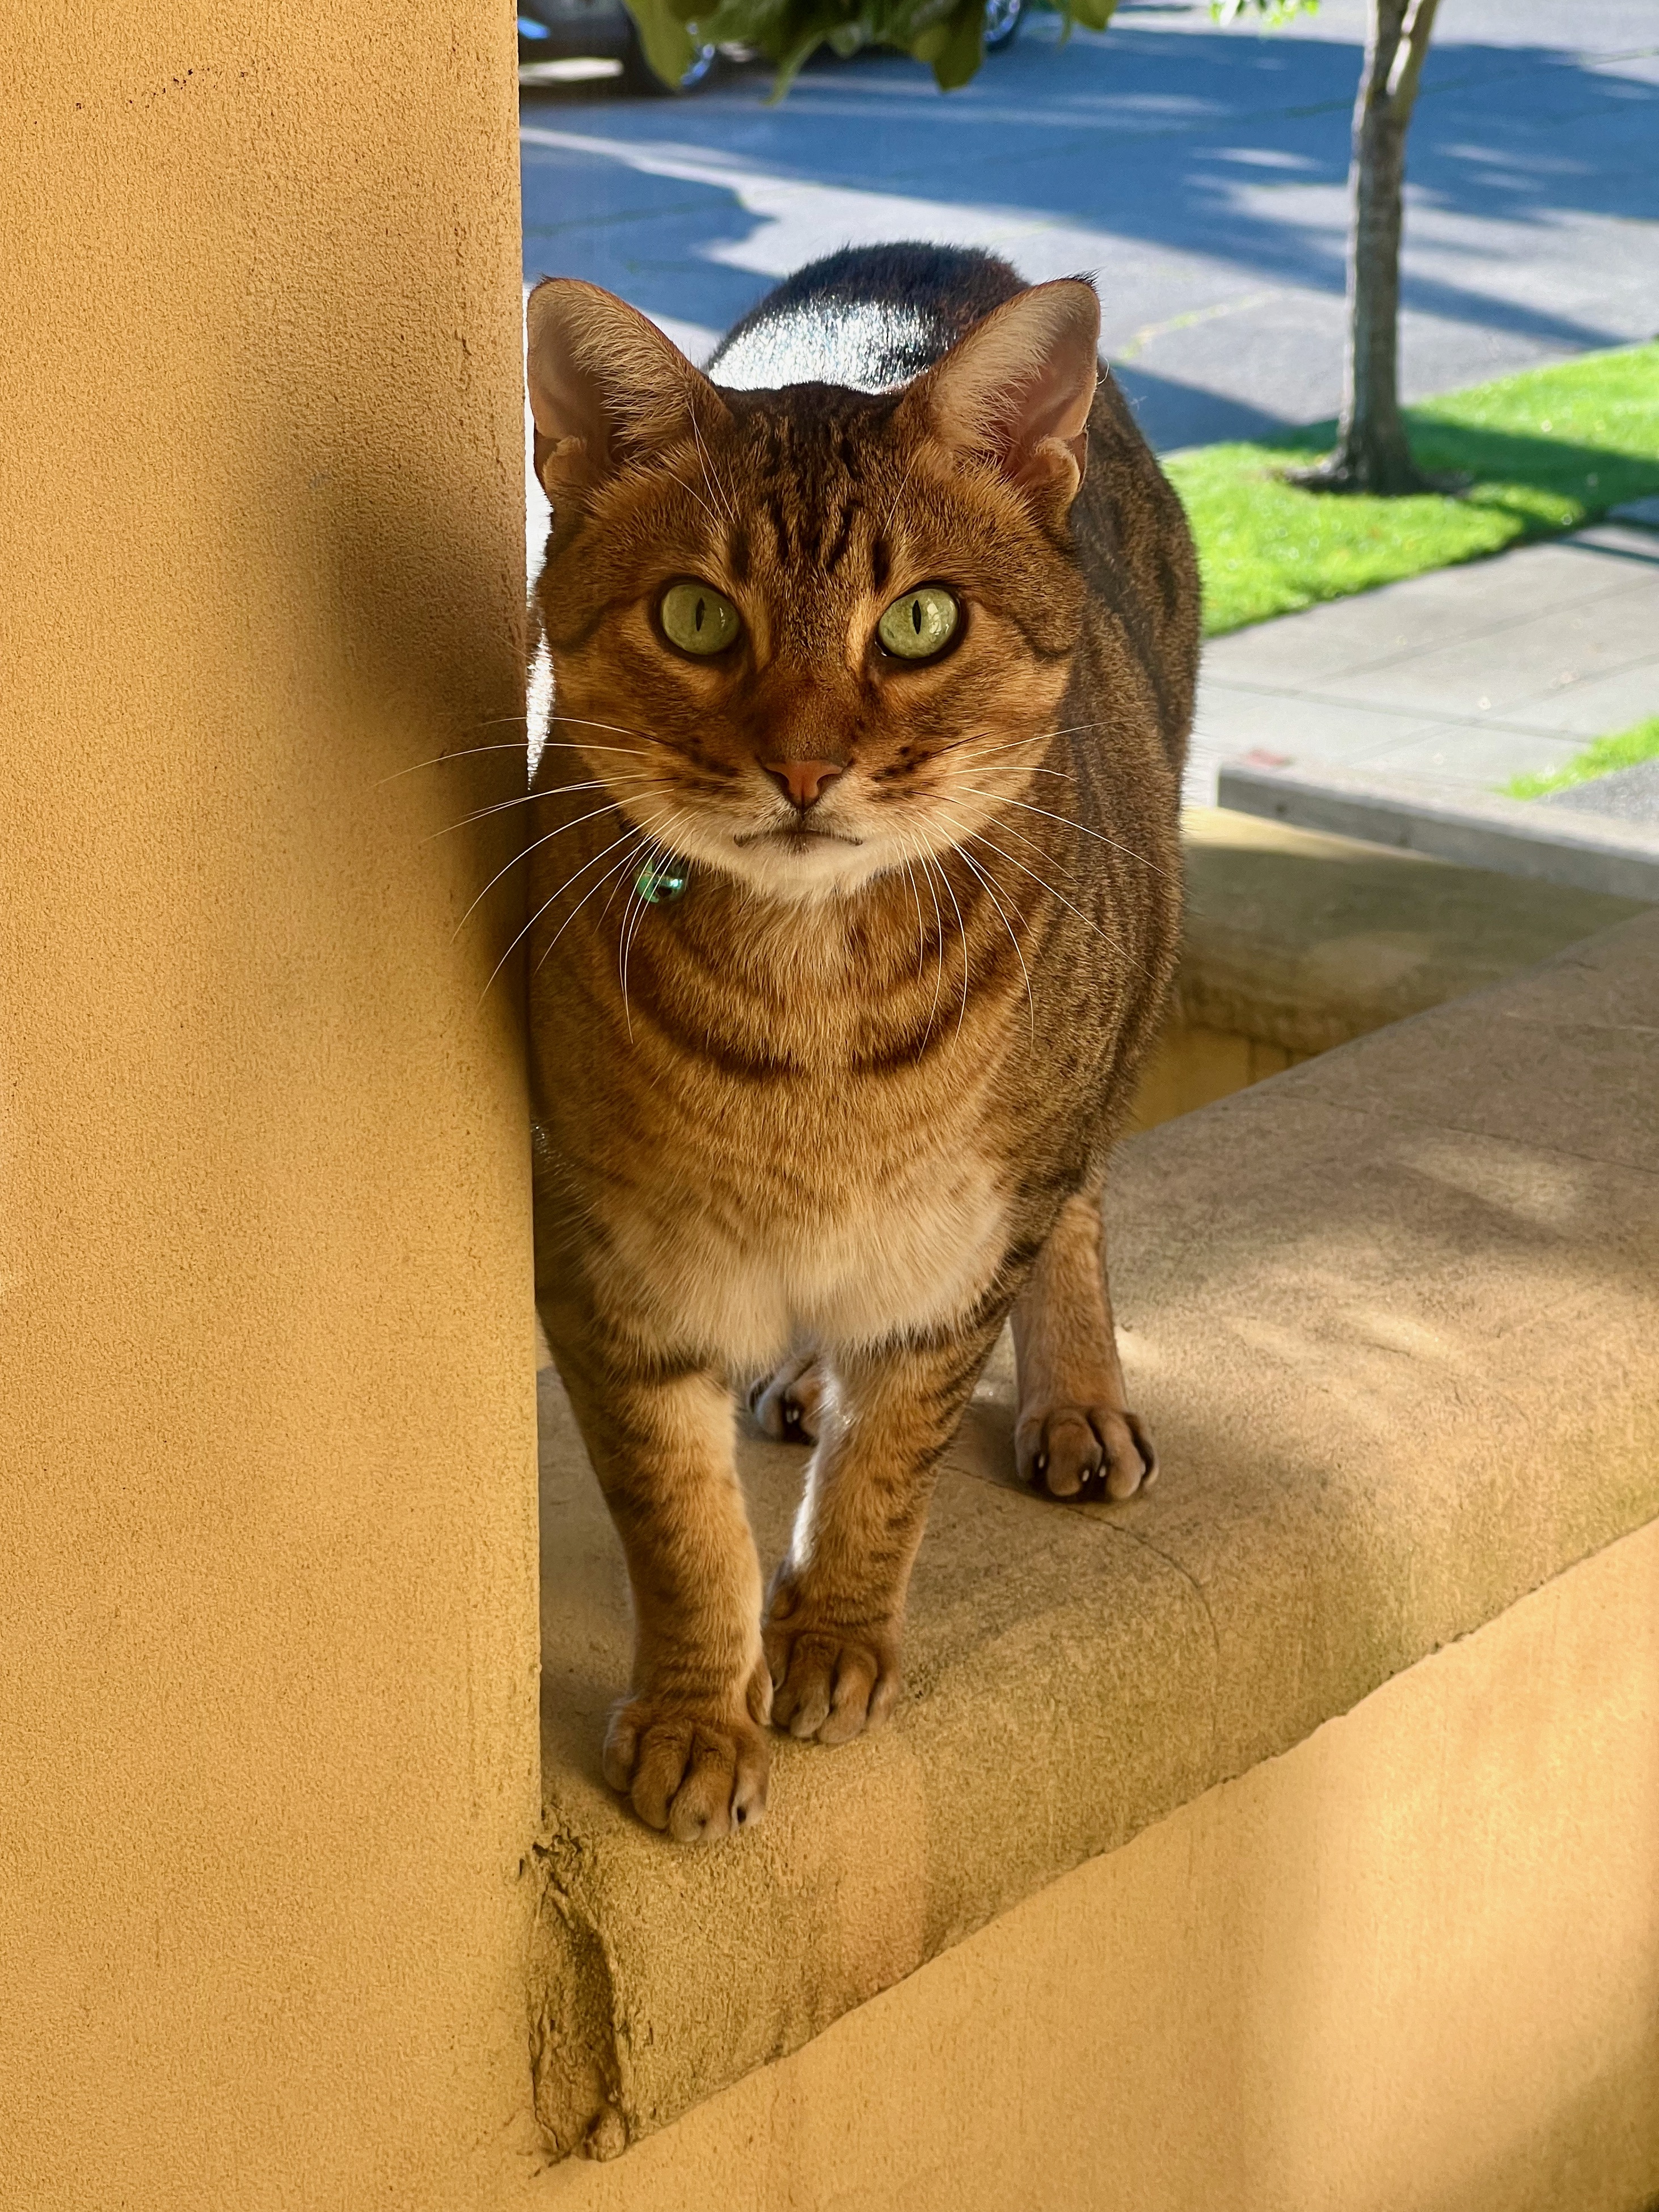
point(1199, 174)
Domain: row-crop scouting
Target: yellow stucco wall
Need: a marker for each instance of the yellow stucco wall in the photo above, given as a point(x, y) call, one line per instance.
point(267, 1583)
point(1412, 1966)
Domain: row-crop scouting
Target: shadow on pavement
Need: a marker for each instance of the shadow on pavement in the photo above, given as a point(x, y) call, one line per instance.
point(1232, 146)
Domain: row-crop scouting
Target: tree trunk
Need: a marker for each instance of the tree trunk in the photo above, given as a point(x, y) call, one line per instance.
point(1372, 453)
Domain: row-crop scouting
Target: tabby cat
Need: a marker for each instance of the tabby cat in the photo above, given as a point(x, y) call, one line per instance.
point(856, 901)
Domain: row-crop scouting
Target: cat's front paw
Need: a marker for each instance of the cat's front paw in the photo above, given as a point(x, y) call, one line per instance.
point(831, 1678)
point(1084, 1451)
point(700, 1775)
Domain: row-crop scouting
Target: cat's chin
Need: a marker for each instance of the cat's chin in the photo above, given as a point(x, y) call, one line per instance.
point(789, 869)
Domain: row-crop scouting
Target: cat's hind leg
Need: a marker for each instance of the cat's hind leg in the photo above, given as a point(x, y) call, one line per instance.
point(836, 1616)
point(1073, 1435)
point(787, 1403)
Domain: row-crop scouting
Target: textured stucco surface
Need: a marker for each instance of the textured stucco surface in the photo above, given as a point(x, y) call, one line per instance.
point(1390, 1316)
point(266, 1448)
point(1412, 1966)
point(1306, 941)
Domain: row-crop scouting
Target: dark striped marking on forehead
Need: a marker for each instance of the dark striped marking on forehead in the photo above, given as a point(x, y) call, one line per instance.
point(810, 445)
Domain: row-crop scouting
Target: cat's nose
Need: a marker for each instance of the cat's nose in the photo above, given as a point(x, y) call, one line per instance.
point(803, 780)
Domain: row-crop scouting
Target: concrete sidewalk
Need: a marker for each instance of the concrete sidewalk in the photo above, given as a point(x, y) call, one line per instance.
point(1454, 680)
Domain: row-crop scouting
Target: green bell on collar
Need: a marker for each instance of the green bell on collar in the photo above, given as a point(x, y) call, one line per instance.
point(659, 881)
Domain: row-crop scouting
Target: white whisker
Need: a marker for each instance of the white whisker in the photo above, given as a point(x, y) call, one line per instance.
point(980, 838)
point(1007, 745)
point(984, 761)
point(962, 928)
point(611, 900)
point(1014, 831)
point(617, 730)
point(904, 486)
point(923, 855)
point(461, 753)
point(632, 903)
point(695, 495)
point(921, 927)
point(985, 877)
point(1075, 729)
point(530, 798)
point(534, 845)
point(551, 901)
point(617, 868)
point(1017, 768)
point(587, 745)
point(625, 941)
point(628, 860)
point(1129, 851)
point(710, 475)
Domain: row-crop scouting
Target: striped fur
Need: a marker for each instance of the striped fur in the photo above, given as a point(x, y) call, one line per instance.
point(848, 1097)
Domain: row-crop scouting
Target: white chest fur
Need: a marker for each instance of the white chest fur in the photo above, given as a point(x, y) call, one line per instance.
point(744, 1277)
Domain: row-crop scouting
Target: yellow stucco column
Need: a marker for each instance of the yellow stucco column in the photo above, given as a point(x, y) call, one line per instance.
point(267, 1590)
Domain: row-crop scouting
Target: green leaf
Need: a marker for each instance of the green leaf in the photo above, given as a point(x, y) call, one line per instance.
point(1271, 12)
point(664, 36)
point(948, 35)
point(963, 49)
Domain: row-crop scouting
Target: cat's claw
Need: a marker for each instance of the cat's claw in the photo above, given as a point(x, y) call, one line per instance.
point(698, 1776)
point(1078, 1452)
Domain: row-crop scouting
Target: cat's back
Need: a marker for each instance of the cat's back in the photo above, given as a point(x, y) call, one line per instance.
point(1135, 548)
point(868, 319)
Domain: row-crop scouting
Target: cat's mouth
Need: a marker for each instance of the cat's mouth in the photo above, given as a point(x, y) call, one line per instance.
point(797, 837)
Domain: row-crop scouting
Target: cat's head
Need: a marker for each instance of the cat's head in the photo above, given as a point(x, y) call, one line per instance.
point(807, 636)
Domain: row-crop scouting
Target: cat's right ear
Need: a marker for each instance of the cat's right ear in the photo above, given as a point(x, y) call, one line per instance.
point(606, 388)
point(1017, 391)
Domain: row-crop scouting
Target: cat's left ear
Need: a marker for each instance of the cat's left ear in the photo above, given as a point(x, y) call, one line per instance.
point(1017, 389)
point(606, 388)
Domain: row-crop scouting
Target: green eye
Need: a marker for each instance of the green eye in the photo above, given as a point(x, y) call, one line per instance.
point(698, 619)
point(920, 624)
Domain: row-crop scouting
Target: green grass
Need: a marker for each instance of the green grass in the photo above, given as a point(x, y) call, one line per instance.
point(1628, 750)
point(1542, 453)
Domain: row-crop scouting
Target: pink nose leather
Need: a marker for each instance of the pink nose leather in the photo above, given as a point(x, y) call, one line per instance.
point(804, 781)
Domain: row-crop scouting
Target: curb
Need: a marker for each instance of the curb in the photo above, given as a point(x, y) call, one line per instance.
point(1512, 836)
